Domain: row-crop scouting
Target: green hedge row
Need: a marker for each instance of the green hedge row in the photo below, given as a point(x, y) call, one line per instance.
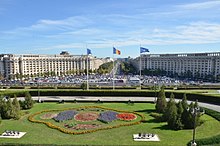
point(196, 96)
point(147, 93)
point(42, 87)
point(212, 113)
point(92, 93)
point(209, 141)
point(17, 87)
point(197, 88)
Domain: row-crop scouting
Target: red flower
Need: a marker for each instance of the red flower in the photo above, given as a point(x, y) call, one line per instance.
point(126, 116)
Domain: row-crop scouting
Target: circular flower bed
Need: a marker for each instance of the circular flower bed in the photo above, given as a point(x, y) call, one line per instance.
point(89, 116)
point(126, 116)
point(48, 116)
point(66, 115)
point(108, 116)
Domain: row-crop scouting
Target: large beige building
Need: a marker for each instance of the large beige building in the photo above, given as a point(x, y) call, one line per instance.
point(11, 64)
point(195, 63)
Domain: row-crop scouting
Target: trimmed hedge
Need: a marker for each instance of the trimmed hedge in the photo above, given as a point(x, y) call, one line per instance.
point(93, 93)
point(211, 140)
point(17, 87)
point(212, 113)
point(196, 96)
point(129, 93)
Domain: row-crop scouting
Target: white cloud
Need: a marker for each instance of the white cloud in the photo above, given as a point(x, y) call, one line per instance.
point(200, 5)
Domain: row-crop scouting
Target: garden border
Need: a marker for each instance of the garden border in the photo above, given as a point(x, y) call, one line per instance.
point(31, 119)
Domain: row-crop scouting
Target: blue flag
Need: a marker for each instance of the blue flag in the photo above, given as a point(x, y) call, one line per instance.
point(142, 50)
point(89, 52)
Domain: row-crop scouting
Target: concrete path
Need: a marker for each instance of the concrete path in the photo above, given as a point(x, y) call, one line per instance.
point(112, 99)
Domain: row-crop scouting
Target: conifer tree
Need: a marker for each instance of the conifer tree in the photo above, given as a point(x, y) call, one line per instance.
point(3, 108)
point(28, 101)
point(161, 101)
point(184, 102)
point(166, 114)
point(0, 118)
point(17, 107)
point(187, 118)
point(10, 111)
point(172, 115)
point(179, 125)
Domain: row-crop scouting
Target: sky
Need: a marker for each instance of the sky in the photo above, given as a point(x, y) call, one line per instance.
point(162, 26)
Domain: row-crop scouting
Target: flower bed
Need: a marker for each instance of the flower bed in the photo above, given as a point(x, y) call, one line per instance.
point(85, 126)
point(66, 115)
point(48, 116)
point(126, 116)
point(88, 120)
point(108, 116)
point(89, 116)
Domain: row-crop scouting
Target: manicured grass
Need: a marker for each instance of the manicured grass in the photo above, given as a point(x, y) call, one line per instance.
point(41, 134)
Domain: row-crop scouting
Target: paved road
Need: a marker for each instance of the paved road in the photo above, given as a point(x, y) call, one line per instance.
point(92, 98)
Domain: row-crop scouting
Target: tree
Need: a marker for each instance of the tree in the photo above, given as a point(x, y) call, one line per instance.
point(83, 86)
point(10, 111)
point(3, 108)
point(28, 101)
point(166, 114)
point(172, 115)
point(187, 117)
point(184, 102)
point(179, 125)
point(0, 118)
point(161, 101)
point(17, 108)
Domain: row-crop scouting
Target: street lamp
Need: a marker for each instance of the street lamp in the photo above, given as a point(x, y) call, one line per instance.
point(38, 91)
point(155, 93)
point(196, 110)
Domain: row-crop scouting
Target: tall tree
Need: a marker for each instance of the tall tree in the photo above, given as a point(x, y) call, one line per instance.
point(172, 115)
point(10, 112)
point(167, 112)
point(17, 108)
point(28, 101)
point(179, 125)
point(161, 101)
point(184, 102)
point(187, 117)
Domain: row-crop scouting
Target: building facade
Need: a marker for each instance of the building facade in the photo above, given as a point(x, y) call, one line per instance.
point(201, 64)
point(30, 65)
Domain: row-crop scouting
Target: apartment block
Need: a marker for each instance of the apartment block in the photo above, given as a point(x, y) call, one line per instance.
point(196, 63)
point(29, 64)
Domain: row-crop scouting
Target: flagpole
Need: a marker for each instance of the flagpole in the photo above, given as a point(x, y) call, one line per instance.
point(87, 68)
point(113, 72)
point(140, 66)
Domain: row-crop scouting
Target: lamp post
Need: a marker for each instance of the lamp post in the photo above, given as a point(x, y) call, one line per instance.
point(196, 110)
point(38, 91)
point(155, 93)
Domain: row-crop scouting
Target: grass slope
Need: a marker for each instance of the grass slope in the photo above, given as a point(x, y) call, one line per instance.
point(41, 134)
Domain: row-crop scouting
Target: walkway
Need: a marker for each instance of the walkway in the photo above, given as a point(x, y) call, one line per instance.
point(114, 99)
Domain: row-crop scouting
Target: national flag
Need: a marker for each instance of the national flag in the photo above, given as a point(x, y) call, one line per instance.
point(89, 52)
point(142, 50)
point(116, 51)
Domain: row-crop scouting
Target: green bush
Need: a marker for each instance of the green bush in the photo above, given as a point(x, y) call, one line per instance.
point(158, 117)
point(207, 141)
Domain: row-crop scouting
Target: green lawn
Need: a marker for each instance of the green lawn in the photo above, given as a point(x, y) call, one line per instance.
point(41, 134)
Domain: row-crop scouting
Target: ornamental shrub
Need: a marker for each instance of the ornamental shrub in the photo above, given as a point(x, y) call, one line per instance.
point(161, 103)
